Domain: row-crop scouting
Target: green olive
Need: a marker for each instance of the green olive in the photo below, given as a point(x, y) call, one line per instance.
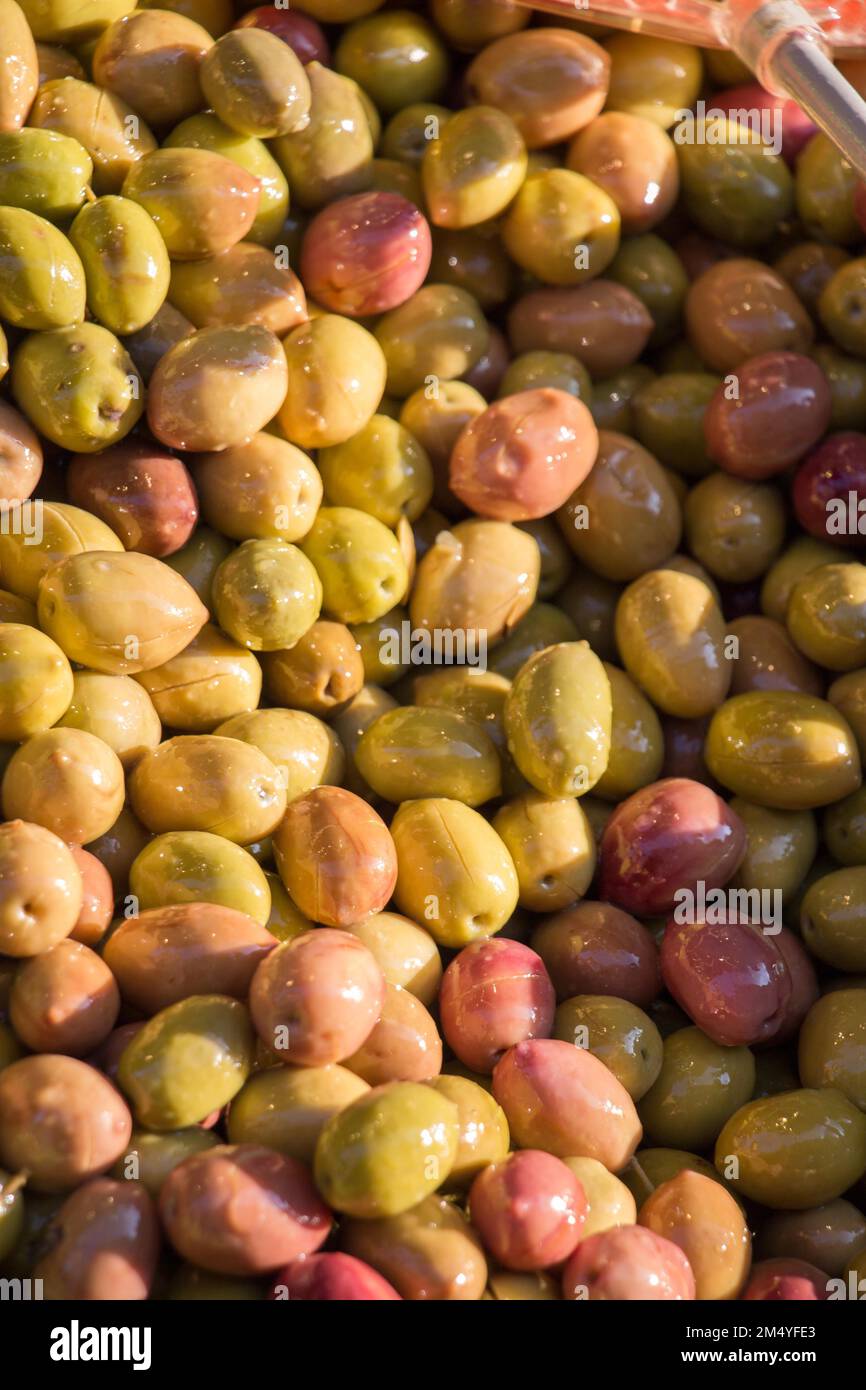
point(387, 1150)
point(42, 281)
point(558, 719)
point(422, 751)
point(332, 156)
point(44, 172)
point(359, 563)
point(561, 227)
point(783, 749)
point(194, 866)
point(699, 1086)
point(832, 919)
point(553, 848)
point(832, 1044)
point(454, 873)
point(618, 1033)
point(780, 847)
point(78, 386)
point(474, 168)
point(795, 1150)
point(125, 263)
point(207, 132)
point(187, 1061)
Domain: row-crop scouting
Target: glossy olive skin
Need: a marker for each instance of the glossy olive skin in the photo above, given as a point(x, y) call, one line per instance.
point(256, 84)
point(603, 324)
point(768, 660)
point(404, 1044)
point(441, 331)
point(700, 1085)
point(831, 1044)
point(827, 1236)
point(117, 710)
point(335, 856)
point(560, 1098)
point(560, 749)
point(668, 416)
point(415, 752)
point(333, 1276)
point(286, 1107)
point(306, 752)
point(99, 120)
point(239, 792)
point(734, 527)
point(130, 56)
point(524, 456)
point(151, 1157)
point(265, 487)
point(211, 680)
point(596, 948)
point(37, 682)
point(625, 518)
point(217, 388)
point(125, 262)
point(61, 1120)
point(321, 674)
point(480, 576)
point(68, 780)
point(145, 495)
point(186, 1061)
point(633, 160)
point(785, 1281)
point(201, 202)
point(494, 994)
point(823, 485)
point(483, 1136)
point(65, 1000)
point(331, 158)
point(373, 1158)
point(552, 83)
point(796, 1150)
point(530, 1210)
point(670, 634)
point(205, 131)
point(628, 1263)
point(780, 847)
point(104, 1244)
point(609, 1202)
point(43, 276)
point(429, 1252)
point(78, 386)
point(474, 167)
point(167, 953)
point(723, 336)
point(765, 985)
point(781, 410)
point(783, 749)
point(665, 837)
point(803, 555)
point(97, 907)
point(366, 254)
point(708, 1225)
point(824, 616)
point(245, 284)
point(617, 1033)
point(553, 848)
point(297, 990)
point(242, 1209)
point(406, 955)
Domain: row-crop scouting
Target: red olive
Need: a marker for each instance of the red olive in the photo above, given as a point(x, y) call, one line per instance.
point(780, 410)
point(332, 1277)
point(829, 490)
point(665, 838)
point(366, 254)
point(494, 994)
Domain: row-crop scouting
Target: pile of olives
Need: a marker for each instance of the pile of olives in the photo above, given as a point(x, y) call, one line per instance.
point(432, 661)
